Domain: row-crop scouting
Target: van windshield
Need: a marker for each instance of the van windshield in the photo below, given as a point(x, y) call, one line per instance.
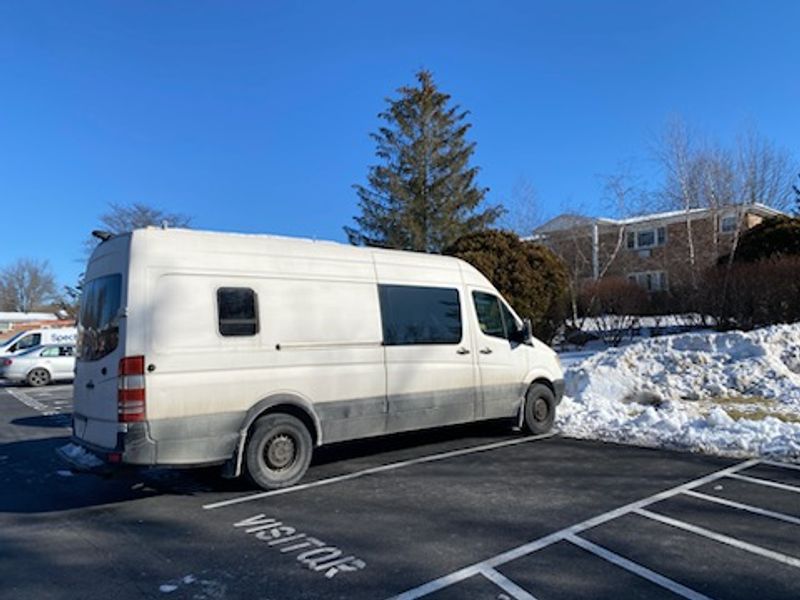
point(23, 340)
point(12, 340)
point(98, 325)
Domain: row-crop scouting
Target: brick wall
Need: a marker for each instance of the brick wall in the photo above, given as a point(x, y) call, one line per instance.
point(575, 249)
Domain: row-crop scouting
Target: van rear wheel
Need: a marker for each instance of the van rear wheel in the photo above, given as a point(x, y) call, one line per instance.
point(540, 409)
point(38, 378)
point(278, 452)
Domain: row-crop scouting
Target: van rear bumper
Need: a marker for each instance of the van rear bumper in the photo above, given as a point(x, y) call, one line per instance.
point(134, 447)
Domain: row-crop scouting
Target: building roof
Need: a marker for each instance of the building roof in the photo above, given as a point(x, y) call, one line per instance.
point(21, 317)
point(566, 222)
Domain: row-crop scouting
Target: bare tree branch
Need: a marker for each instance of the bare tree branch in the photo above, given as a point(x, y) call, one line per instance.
point(26, 285)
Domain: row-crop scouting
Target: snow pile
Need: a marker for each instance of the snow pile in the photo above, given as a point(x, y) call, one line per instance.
point(79, 456)
point(734, 393)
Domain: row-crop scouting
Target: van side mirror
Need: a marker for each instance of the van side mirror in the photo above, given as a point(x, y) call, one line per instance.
point(523, 334)
point(527, 328)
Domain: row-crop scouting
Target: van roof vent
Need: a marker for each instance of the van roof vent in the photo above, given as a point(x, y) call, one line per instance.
point(102, 235)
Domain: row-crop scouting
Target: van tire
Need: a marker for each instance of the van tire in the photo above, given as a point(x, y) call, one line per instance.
point(38, 377)
point(539, 412)
point(278, 451)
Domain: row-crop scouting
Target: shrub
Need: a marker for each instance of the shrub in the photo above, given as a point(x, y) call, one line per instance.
point(753, 294)
point(530, 277)
point(615, 305)
point(773, 237)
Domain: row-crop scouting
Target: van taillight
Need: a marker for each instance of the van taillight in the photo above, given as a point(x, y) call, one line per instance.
point(130, 389)
point(7, 362)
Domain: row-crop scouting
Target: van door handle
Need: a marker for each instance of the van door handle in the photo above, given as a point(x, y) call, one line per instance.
point(462, 350)
point(485, 350)
point(90, 385)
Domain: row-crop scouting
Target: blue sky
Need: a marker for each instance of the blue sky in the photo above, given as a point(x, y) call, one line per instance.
point(255, 117)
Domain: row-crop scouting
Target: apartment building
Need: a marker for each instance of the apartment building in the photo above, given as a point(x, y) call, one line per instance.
point(659, 252)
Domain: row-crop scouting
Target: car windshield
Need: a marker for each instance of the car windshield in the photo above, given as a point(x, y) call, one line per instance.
point(98, 326)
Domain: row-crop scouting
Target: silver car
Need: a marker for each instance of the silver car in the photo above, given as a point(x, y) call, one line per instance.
point(40, 365)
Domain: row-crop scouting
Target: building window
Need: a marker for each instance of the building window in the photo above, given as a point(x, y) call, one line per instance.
point(237, 311)
point(647, 238)
point(652, 281)
point(419, 315)
point(728, 224)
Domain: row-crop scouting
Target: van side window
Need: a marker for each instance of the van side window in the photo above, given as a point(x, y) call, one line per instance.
point(509, 320)
point(237, 311)
point(490, 319)
point(419, 315)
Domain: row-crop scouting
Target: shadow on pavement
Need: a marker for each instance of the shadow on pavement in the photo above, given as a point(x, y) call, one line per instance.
point(34, 480)
point(470, 434)
point(59, 420)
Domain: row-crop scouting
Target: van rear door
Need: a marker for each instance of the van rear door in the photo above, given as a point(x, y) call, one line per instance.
point(100, 331)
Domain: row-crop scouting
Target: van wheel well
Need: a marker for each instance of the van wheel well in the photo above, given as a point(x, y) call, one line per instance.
point(295, 411)
point(544, 381)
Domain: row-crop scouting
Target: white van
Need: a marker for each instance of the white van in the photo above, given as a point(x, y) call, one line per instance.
point(197, 348)
point(31, 338)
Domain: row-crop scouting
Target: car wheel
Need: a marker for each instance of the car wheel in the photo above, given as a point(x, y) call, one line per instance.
point(540, 409)
point(38, 377)
point(278, 452)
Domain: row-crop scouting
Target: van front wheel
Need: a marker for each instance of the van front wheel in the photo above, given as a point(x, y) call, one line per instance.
point(540, 409)
point(278, 452)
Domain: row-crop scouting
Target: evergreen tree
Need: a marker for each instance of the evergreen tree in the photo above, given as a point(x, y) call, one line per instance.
point(423, 195)
point(796, 191)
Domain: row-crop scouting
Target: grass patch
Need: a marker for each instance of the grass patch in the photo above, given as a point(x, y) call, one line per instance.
point(753, 400)
point(751, 408)
point(759, 414)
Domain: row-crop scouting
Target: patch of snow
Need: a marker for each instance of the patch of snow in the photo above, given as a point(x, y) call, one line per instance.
point(80, 456)
point(64, 473)
point(209, 588)
point(693, 375)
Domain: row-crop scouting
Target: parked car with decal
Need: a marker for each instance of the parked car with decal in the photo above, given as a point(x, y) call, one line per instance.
point(25, 340)
point(249, 351)
point(40, 365)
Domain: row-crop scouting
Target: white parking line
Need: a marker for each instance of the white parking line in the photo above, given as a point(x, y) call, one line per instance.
point(783, 465)
point(748, 507)
point(380, 469)
point(719, 537)
point(766, 482)
point(29, 402)
point(636, 569)
point(530, 547)
point(508, 586)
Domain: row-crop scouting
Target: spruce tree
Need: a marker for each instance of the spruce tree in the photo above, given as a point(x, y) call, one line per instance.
point(423, 196)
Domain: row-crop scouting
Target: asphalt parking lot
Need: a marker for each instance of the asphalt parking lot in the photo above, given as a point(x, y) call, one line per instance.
point(469, 512)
